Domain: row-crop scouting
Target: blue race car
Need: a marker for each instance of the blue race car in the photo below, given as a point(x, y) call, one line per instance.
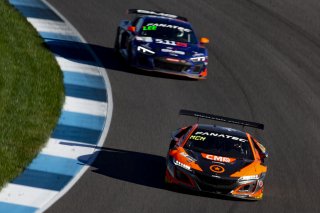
point(162, 42)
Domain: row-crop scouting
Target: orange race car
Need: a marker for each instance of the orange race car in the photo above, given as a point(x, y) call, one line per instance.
point(217, 159)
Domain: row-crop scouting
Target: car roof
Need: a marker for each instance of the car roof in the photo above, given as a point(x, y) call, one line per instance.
point(221, 130)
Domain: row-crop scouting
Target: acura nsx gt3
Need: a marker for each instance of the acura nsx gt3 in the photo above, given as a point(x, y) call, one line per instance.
point(217, 159)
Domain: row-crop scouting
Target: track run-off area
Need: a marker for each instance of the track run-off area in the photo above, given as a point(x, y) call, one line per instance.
point(264, 66)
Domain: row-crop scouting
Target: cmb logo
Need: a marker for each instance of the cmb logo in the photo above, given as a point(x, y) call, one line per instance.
point(217, 169)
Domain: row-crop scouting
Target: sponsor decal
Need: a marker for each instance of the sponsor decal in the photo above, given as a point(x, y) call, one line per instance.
point(149, 27)
point(218, 158)
point(170, 26)
point(198, 59)
point(221, 136)
point(197, 138)
point(173, 51)
point(217, 169)
point(143, 38)
point(178, 163)
point(180, 44)
point(196, 54)
point(172, 43)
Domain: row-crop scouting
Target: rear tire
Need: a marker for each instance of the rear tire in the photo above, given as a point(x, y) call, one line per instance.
point(167, 184)
point(116, 42)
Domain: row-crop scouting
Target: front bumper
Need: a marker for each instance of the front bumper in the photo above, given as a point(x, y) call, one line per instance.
point(170, 66)
point(249, 190)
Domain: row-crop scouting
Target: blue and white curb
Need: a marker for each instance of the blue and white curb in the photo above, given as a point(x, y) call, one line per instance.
point(84, 121)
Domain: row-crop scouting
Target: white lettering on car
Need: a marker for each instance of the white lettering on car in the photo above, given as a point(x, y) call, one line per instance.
point(221, 136)
point(167, 42)
point(218, 158)
point(173, 51)
point(170, 26)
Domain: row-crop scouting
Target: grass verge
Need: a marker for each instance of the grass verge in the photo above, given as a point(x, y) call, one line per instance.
point(31, 93)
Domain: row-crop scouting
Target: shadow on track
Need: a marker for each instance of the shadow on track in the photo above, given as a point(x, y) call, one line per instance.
point(78, 52)
point(136, 167)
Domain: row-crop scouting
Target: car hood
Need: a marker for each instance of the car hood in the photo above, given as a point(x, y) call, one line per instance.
point(174, 49)
point(216, 167)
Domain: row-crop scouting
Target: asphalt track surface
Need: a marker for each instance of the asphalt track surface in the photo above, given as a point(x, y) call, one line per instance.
point(264, 66)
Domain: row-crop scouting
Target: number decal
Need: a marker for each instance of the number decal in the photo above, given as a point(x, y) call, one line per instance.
point(167, 42)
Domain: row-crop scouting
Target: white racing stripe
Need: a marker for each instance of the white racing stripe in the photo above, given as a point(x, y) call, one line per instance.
point(85, 106)
point(26, 195)
point(44, 25)
point(62, 162)
point(72, 66)
point(67, 149)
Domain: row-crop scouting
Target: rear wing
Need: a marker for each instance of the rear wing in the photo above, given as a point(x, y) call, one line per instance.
point(155, 13)
point(222, 119)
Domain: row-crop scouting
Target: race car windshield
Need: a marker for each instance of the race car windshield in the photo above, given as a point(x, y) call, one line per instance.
point(168, 31)
point(220, 144)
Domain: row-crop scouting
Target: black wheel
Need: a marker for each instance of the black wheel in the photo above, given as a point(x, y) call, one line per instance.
point(167, 184)
point(116, 42)
point(130, 57)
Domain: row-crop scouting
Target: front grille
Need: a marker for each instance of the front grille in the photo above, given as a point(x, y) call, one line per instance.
point(170, 66)
point(143, 61)
point(212, 189)
point(215, 181)
point(198, 68)
point(213, 184)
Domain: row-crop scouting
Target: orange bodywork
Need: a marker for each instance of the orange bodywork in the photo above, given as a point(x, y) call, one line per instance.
point(204, 73)
point(181, 155)
point(246, 189)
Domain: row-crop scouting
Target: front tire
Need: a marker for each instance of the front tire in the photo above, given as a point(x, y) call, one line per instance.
point(130, 55)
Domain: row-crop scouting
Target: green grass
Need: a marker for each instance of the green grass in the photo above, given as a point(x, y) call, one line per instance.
point(31, 93)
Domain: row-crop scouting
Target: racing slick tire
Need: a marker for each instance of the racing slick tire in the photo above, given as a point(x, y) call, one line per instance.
point(116, 42)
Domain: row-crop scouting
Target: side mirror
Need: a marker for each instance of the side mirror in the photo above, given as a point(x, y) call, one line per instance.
point(174, 140)
point(264, 155)
point(204, 40)
point(132, 29)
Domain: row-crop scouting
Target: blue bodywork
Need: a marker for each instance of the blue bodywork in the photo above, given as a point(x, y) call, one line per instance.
point(156, 52)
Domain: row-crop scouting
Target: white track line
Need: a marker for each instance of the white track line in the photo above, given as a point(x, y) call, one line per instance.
point(44, 25)
point(37, 197)
point(85, 106)
point(26, 195)
point(67, 149)
point(103, 137)
point(72, 66)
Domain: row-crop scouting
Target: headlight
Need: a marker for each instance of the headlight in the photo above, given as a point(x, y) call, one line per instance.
point(199, 59)
point(182, 165)
point(144, 38)
point(145, 50)
point(250, 177)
